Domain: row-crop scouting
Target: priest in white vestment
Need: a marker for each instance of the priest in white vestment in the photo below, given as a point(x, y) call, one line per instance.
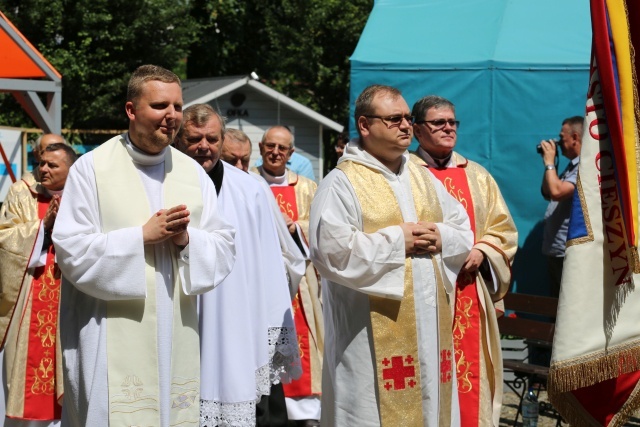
point(241, 359)
point(137, 236)
point(388, 277)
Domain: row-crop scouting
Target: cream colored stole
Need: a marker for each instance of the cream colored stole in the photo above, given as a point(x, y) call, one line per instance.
point(393, 322)
point(134, 391)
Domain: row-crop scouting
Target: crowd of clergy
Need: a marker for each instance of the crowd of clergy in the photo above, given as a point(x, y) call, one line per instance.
point(158, 280)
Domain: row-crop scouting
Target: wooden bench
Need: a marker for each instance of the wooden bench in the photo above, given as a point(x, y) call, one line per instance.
point(536, 332)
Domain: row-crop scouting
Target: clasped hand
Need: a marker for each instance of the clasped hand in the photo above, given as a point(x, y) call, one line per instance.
point(421, 238)
point(51, 213)
point(167, 223)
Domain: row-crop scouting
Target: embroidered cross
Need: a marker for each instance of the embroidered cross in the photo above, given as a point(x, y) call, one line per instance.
point(398, 372)
point(445, 366)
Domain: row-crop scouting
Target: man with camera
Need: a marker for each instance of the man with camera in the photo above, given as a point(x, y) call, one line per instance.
point(558, 189)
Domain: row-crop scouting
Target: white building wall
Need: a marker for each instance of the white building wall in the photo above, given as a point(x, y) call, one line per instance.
point(258, 112)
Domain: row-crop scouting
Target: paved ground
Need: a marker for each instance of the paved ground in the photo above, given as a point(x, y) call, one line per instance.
point(510, 407)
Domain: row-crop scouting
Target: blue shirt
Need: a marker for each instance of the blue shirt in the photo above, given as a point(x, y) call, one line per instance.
point(556, 218)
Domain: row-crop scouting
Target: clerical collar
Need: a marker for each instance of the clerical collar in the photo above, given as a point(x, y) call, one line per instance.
point(271, 179)
point(51, 193)
point(216, 174)
point(143, 158)
point(432, 161)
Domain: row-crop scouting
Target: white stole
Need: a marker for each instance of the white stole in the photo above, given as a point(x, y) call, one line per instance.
point(134, 392)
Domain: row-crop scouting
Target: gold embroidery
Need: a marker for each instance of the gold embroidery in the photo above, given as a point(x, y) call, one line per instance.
point(461, 324)
point(284, 205)
point(44, 380)
point(49, 292)
point(462, 321)
point(456, 193)
point(463, 369)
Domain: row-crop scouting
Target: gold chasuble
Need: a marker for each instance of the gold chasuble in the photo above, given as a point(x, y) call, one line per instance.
point(132, 324)
point(478, 354)
point(32, 347)
point(393, 322)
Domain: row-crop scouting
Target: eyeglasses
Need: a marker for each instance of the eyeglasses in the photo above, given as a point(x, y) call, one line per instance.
point(271, 146)
point(393, 121)
point(441, 123)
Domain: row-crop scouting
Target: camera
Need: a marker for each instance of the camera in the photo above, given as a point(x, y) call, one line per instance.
point(551, 140)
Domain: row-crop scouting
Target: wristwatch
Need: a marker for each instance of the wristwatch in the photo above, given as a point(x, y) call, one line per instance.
point(549, 167)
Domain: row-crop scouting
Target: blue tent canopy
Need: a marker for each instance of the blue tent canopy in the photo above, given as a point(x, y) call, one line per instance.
point(514, 69)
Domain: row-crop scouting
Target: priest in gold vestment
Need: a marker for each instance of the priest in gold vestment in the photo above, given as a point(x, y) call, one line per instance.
point(294, 193)
point(389, 242)
point(486, 274)
point(30, 281)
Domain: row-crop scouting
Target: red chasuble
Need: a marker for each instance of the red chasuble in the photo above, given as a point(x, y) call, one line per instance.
point(40, 401)
point(286, 198)
point(467, 322)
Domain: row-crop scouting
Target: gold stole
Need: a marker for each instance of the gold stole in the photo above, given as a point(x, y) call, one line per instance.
point(134, 391)
point(393, 322)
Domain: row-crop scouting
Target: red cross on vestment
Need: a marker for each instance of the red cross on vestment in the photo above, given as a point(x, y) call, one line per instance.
point(398, 372)
point(445, 366)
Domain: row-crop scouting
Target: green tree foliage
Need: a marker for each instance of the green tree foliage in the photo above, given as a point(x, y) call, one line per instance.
point(298, 47)
point(95, 45)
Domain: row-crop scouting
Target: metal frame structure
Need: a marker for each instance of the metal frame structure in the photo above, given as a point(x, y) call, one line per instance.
point(45, 111)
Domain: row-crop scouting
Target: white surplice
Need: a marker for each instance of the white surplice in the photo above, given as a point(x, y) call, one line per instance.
point(98, 267)
point(354, 265)
point(248, 338)
point(294, 259)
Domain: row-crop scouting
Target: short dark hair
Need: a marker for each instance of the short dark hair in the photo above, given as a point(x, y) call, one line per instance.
point(365, 99)
point(145, 73)
point(423, 105)
point(70, 154)
point(343, 137)
point(199, 115)
point(576, 123)
point(364, 103)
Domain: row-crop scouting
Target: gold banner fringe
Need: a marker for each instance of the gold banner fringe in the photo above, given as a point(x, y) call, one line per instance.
point(567, 406)
point(573, 413)
point(635, 260)
point(587, 370)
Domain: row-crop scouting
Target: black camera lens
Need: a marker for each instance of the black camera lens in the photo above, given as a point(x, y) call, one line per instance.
point(539, 146)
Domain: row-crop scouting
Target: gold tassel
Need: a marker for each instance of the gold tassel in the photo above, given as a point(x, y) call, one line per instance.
point(584, 371)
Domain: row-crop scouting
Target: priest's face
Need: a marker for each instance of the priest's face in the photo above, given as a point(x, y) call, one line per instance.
point(155, 116)
point(236, 153)
point(54, 168)
point(435, 133)
point(387, 132)
point(276, 149)
point(202, 143)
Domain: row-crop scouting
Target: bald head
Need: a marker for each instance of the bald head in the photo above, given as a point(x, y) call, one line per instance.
point(236, 149)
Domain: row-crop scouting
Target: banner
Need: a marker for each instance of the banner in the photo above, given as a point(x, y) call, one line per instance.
point(595, 365)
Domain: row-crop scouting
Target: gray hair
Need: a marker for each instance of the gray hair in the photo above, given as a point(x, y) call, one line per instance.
point(278, 127)
point(199, 115)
